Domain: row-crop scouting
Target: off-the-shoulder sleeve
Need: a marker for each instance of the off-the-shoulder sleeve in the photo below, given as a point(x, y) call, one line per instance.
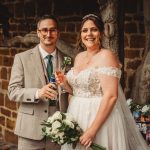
point(110, 71)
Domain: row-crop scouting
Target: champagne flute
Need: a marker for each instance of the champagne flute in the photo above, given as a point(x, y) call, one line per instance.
point(61, 73)
point(60, 79)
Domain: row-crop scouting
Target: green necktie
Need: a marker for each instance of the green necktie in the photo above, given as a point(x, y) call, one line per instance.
point(49, 73)
point(49, 66)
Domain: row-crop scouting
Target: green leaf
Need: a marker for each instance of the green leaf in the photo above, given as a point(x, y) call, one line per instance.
point(97, 147)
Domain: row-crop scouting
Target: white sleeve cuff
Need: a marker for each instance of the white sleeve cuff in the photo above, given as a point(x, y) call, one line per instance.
point(37, 94)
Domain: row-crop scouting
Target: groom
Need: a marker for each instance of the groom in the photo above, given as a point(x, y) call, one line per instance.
point(29, 85)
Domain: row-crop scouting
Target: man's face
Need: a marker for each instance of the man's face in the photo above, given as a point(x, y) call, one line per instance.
point(48, 32)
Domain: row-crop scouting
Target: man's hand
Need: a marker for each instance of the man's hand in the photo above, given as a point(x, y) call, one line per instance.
point(48, 91)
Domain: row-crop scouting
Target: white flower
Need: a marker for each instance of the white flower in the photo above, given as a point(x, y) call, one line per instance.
point(48, 130)
point(60, 135)
point(145, 109)
point(69, 123)
point(68, 60)
point(54, 132)
point(65, 58)
point(61, 141)
point(129, 101)
point(57, 115)
point(50, 119)
point(69, 117)
point(56, 124)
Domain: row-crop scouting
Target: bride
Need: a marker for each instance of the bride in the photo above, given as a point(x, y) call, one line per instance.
point(98, 103)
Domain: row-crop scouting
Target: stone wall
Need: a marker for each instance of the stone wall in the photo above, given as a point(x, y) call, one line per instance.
point(23, 22)
point(134, 41)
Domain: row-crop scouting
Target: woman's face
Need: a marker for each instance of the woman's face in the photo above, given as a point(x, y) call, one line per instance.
point(90, 35)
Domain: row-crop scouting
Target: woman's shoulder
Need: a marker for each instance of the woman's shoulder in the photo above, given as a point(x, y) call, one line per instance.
point(107, 52)
point(108, 58)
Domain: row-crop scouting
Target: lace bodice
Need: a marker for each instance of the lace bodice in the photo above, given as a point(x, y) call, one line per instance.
point(87, 82)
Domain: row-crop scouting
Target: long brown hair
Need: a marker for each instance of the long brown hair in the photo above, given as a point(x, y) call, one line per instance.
point(99, 24)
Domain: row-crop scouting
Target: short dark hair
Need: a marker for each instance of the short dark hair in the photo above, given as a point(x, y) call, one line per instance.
point(44, 17)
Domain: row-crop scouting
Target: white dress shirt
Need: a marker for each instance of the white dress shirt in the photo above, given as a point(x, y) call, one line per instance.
point(54, 61)
point(44, 54)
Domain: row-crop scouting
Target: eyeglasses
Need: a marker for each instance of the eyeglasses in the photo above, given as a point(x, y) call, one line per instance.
point(44, 31)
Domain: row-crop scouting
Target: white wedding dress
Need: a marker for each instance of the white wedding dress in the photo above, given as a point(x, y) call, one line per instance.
point(119, 132)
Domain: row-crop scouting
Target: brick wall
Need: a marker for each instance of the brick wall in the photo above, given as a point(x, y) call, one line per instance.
point(69, 26)
point(23, 15)
point(8, 109)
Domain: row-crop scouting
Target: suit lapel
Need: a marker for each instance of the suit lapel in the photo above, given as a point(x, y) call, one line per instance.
point(39, 66)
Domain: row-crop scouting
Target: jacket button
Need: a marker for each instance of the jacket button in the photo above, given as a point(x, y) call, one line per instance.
point(45, 111)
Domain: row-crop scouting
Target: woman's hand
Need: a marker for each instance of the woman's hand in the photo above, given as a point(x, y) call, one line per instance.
point(87, 138)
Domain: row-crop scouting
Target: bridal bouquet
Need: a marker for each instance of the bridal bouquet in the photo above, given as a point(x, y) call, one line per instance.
point(61, 128)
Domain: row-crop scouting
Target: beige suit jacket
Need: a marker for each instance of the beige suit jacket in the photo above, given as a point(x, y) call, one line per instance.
point(28, 74)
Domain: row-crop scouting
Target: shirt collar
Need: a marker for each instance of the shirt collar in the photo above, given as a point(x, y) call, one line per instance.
point(44, 53)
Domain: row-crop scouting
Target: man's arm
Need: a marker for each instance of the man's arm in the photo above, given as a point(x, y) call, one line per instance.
point(16, 90)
